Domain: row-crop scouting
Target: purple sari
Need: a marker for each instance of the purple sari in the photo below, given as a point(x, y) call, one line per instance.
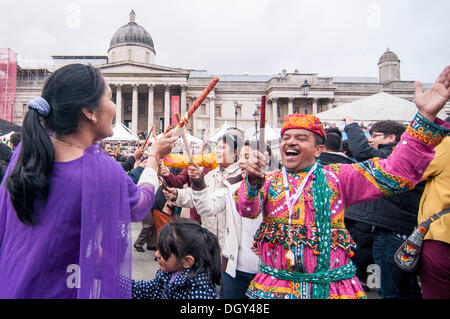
point(80, 246)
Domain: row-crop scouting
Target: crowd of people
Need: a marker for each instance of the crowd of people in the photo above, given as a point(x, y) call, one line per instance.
point(305, 228)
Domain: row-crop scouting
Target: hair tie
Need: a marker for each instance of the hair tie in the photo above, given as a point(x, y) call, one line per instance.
point(40, 105)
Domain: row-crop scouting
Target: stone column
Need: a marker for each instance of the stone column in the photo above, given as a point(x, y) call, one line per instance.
point(330, 105)
point(151, 108)
point(212, 113)
point(314, 106)
point(274, 112)
point(290, 105)
point(183, 100)
point(134, 110)
point(119, 104)
point(167, 107)
point(194, 119)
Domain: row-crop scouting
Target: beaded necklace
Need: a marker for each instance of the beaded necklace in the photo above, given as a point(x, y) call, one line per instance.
point(320, 192)
point(291, 202)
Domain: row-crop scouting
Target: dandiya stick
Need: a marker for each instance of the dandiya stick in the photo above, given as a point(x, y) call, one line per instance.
point(201, 98)
point(185, 141)
point(262, 133)
point(262, 126)
point(146, 140)
point(186, 146)
point(168, 129)
point(183, 121)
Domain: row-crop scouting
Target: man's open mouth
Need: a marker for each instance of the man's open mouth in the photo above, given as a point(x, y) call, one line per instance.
point(291, 153)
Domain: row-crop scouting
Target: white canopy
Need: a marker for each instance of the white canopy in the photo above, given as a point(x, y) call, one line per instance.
point(271, 133)
point(7, 136)
point(220, 132)
point(179, 144)
point(190, 138)
point(374, 108)
point(122, 133)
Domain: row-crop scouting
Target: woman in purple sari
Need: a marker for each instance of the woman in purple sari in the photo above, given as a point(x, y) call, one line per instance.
point(65, 205)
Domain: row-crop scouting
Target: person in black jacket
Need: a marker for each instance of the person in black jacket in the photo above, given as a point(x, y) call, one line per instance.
point(127, 163)
point(333, 152)
point(383, 225)
point(5, 157)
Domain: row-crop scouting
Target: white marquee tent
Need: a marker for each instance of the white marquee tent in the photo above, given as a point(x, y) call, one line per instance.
point(271, 133)
point(370, 109)
point(121, 133)
point(220, 132)
point(7, 136)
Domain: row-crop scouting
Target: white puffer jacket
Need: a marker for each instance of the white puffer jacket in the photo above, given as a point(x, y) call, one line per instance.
point(214, 181)
point(239, 230)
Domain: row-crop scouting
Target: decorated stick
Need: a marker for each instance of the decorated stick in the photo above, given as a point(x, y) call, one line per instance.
point(186, 145)
point(201, 98)
point(262, 126)
point(183, 121)
point(168, 129)
point(146, 140)
point(262, 134)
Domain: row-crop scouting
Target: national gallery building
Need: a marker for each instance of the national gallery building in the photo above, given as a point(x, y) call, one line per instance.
point(145, 92)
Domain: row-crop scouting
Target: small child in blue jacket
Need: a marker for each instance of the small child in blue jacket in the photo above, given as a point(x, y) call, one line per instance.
point(190, 264)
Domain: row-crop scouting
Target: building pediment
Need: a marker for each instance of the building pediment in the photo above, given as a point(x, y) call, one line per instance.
point(134, 68)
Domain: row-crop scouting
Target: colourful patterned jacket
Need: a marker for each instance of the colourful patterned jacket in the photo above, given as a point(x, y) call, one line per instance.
point(349, 184)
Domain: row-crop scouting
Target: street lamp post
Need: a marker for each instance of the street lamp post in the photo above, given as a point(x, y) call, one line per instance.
point(235, 114)
point(13, 103)
point(255, 118)
point(305, 90)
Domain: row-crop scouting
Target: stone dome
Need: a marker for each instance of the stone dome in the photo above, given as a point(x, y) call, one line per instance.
point(132, 34)
point(388, 56)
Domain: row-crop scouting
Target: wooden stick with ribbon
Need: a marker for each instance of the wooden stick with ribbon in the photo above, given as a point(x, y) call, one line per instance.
point(185, 119)
point(185, 141)
point(262, 134)
point(262, 126)
point(148, 136)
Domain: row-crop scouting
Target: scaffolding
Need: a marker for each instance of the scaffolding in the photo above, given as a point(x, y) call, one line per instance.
point(8, 76)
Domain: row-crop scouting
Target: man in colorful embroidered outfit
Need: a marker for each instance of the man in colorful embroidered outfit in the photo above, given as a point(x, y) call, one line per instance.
point(304, 247)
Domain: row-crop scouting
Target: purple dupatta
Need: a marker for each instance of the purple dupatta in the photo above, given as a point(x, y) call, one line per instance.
point(96, 229)
point(110, 201)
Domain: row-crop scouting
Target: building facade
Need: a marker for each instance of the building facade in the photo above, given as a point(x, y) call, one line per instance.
point(143, 90)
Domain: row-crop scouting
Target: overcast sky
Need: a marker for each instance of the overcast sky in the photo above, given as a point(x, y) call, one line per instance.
point(330, 38)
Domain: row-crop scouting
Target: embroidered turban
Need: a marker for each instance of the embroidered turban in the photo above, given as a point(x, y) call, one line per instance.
point(303, 121)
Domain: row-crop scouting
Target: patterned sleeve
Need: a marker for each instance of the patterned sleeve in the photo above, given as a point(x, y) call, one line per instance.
point(201, 292)
point(146, 289)
point(250, 199)
point(400, 172)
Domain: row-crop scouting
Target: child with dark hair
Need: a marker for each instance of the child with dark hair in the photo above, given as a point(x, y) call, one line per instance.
point(190, 264)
